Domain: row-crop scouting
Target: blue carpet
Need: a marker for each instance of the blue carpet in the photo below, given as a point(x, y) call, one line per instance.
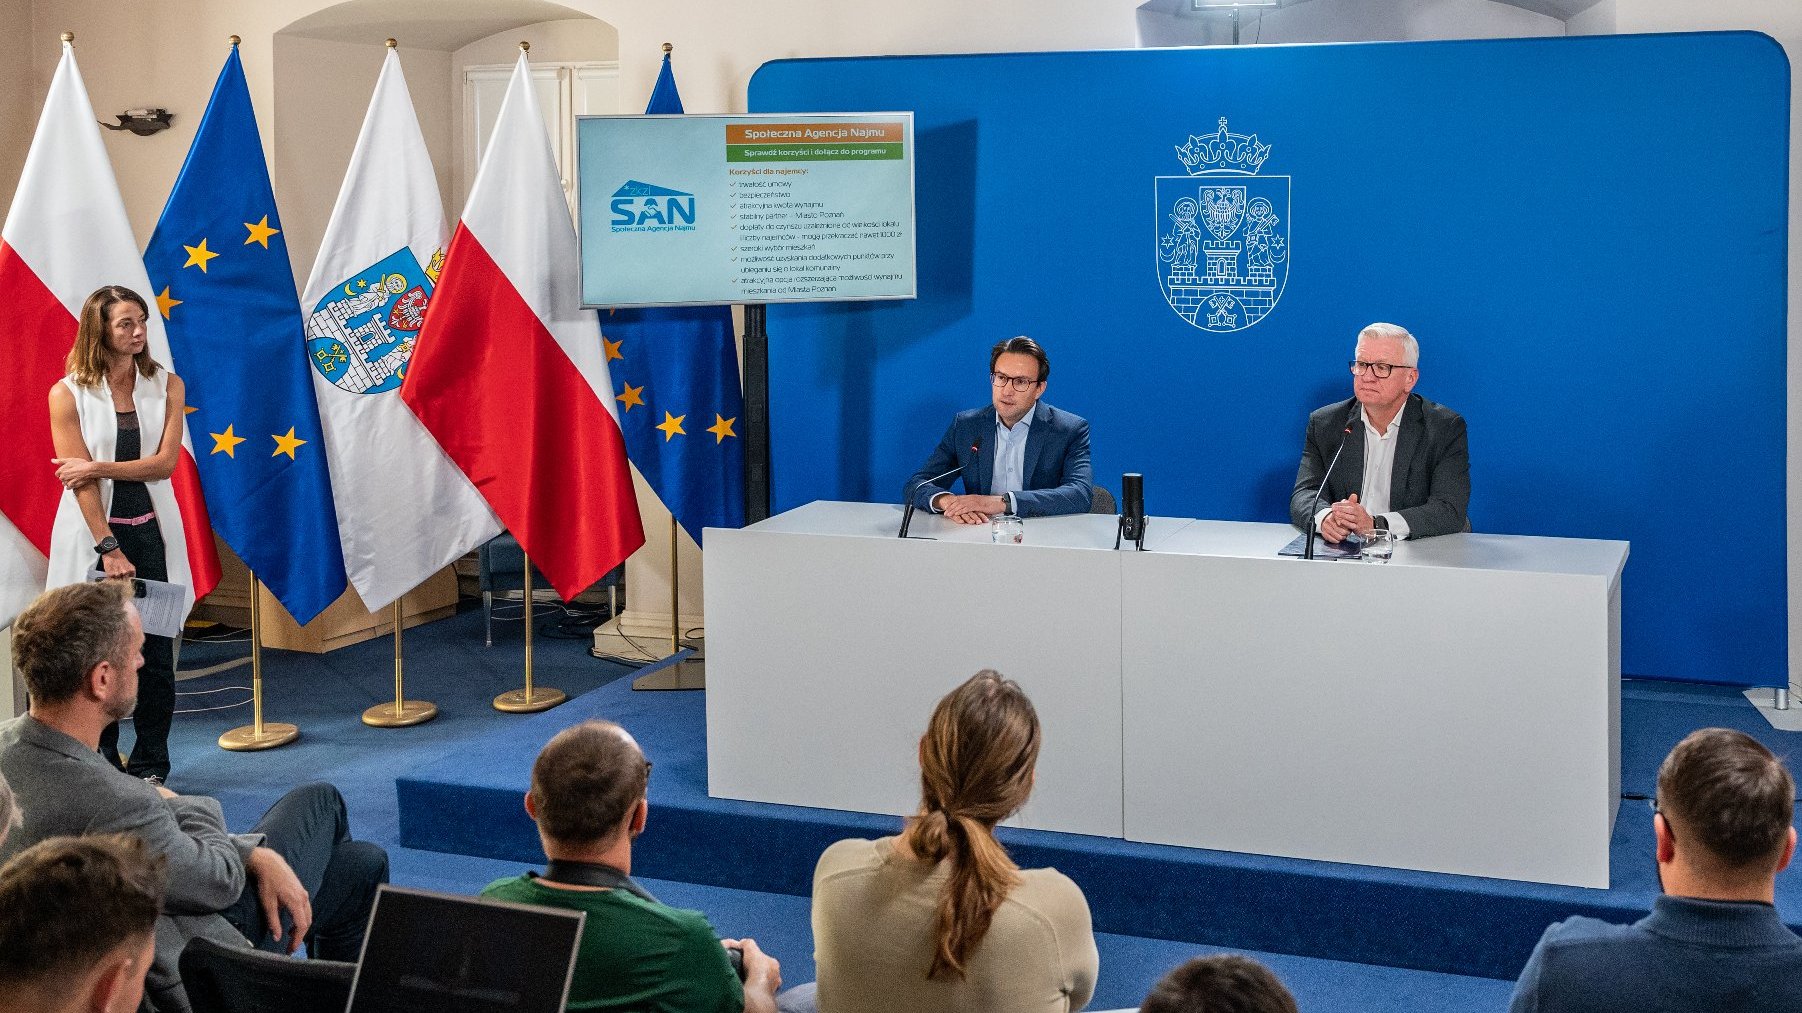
point(1426, 921)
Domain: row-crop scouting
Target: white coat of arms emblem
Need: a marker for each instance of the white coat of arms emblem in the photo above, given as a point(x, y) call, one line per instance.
point(1223, 232)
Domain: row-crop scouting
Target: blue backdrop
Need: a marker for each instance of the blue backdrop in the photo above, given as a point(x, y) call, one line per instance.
point(1587, 234)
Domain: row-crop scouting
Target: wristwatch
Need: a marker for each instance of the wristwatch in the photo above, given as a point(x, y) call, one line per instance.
point(107, 544)
point(1381, 522)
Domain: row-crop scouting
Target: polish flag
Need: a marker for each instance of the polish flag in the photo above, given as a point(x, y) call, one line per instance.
point(509, 374)
point(66, 235)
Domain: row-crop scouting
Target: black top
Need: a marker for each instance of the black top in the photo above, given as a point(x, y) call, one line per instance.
point(130, 499)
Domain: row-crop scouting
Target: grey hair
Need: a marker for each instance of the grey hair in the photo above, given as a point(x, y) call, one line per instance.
point(1395, 332)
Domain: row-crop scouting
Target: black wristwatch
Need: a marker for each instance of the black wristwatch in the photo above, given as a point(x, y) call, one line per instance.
point(1381, 522)
point(107, 544)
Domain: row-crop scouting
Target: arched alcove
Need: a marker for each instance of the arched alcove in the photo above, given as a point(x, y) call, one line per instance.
point(326, 63)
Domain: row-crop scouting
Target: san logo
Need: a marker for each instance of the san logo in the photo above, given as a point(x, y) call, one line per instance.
point(645, 207)
point(1222, 232)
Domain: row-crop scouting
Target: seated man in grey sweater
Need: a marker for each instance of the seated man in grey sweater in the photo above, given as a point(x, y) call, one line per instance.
point(1714, 941)
point(297, 876)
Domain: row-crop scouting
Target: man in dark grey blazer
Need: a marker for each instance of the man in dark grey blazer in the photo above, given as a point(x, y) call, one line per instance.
point(1406, 462)
point(1018, 456)
point(297, 876)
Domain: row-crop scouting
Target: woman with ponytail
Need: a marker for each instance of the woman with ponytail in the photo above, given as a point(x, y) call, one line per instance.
point(940, 918)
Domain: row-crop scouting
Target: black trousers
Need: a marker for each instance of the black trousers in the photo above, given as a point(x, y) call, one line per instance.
point(309, 827)
point(143, 545)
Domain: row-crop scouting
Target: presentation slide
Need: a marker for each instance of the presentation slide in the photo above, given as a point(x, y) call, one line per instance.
point(701, 210)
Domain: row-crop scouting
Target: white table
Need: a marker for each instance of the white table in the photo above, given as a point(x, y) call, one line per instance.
point(1456, 710)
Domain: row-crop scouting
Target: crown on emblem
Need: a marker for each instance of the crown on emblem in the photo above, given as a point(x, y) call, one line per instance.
point(1222, 151)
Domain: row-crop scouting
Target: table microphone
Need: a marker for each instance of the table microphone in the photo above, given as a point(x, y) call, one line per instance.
point(907, 512)
point(1132, 508)
point(1307, 551)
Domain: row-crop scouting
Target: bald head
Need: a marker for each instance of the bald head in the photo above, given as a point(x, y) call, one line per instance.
point(586, 783)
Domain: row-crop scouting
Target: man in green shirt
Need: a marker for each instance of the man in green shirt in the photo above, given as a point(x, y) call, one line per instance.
point(588, 799)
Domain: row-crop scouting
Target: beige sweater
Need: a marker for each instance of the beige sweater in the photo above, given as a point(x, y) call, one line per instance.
point(873, 915)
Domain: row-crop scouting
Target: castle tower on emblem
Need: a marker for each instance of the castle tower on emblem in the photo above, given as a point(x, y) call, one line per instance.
point(1234, 277)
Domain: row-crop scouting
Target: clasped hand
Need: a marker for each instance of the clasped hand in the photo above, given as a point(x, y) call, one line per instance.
point(1348, 517)
point(74, 472)
point(970, 509)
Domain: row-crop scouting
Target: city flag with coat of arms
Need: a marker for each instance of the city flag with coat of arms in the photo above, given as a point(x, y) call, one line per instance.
point(510, 375)
point(404, 510)
point(225, 291)
point(679, 396)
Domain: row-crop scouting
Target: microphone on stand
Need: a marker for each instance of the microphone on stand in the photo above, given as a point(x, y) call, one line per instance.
point(1307, 551)
point(1132, 510)
point(907, 511)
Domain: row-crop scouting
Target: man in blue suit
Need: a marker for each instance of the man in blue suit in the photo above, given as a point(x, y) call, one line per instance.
point(1714, 940)
point(1018, 456)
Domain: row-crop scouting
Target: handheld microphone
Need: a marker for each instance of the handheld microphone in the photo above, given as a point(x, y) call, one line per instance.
point(907, 511)
point(1132, 509)
point(1307, 551)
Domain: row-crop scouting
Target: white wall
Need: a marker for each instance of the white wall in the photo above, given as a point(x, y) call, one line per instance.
point(322, 90)
point(1170, 23)
point(20, 95)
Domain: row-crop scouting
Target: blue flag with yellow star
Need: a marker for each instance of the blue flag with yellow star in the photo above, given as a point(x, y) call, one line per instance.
point(219, 265)
point(679, 402)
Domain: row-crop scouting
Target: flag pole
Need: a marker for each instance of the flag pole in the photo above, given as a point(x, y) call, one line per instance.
point(533, 698)
point(257, 735)
point(680, 672)
point(402, 712)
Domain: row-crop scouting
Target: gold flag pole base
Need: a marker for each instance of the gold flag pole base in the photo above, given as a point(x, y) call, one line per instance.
point(532, 698)
point(259, 734)
point(402, 713)
point(248, 740)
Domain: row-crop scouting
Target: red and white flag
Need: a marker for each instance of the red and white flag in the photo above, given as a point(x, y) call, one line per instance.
point(66, 235)
point(509, 373)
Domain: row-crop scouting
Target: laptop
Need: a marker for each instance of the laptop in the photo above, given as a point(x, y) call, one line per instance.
point(436, 951)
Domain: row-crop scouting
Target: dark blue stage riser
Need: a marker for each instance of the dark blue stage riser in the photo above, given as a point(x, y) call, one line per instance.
point(1423, 921)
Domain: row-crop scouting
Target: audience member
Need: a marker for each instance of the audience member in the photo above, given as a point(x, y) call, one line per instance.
point(1225, 983)
point(940, 918)
point(588, 799)
point(9, 809)
point(78, 925)
point(1714, 940)
point(297, 876)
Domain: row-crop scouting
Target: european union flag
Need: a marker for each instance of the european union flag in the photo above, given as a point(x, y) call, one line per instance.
point(679, 401)
point(223, 285)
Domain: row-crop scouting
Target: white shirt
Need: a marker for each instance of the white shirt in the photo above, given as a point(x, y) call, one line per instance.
point(1009, 474)
point(1379, 472)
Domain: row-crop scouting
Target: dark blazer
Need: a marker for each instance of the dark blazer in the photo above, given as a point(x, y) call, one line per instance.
point(1058, 477)
point(66, 789)
point(1430, 486)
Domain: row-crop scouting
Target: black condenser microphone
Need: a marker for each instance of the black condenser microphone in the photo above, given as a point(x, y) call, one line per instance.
point(907, 510)
point(1307, 551)
point(1132, 508)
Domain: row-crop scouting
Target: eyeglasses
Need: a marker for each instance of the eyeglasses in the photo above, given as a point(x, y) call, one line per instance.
point(1381, 369)
point(1019, 383)
point(1653, 804)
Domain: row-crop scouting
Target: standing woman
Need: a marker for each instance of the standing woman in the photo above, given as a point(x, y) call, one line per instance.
point(116, 420)
point(939, 919)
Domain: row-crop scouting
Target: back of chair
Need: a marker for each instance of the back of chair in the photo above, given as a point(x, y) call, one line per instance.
point(225, 979)
point(1101, 501)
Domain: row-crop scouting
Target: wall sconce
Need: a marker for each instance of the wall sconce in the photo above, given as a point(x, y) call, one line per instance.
point(142, 122)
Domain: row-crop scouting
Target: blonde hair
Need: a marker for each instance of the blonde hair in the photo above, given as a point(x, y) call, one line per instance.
point(87, 360)
point(976, 769)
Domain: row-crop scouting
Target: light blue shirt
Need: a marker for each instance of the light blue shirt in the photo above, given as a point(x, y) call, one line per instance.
point(1009, 475)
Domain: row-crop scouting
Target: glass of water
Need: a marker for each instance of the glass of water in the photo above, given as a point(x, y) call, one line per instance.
point(1007, 529)
point(1379, 545)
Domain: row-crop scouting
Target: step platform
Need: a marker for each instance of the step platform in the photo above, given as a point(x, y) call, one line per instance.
point(471, 803)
